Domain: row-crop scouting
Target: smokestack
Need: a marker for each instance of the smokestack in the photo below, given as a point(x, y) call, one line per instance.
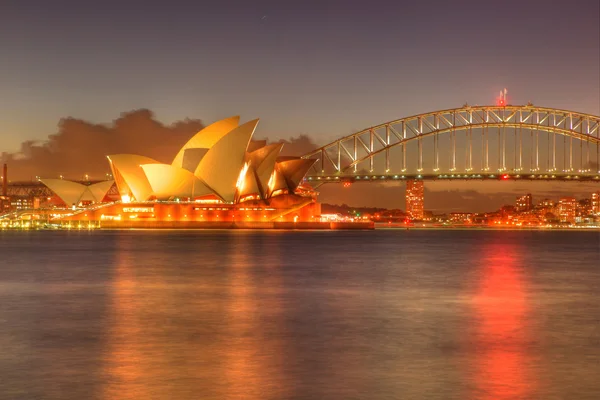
point(5, 180)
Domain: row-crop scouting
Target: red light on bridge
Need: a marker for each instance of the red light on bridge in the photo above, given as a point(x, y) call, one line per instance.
point(502, 98)
point(347, 184)
point(505, 177)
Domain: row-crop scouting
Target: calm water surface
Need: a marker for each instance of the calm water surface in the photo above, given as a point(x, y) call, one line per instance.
point(300, 315)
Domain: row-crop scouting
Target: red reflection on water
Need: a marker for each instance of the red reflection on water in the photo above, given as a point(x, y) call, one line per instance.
point(501, 365)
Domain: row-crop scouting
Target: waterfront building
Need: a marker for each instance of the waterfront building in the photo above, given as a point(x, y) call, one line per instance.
point(428, 216)
point(567, 209)
point(4, 199)
point(4, 204)
point(596, 203)
point(24, 202)
point(415, 202)
point(507, 212)
point(547, 203)
point(461, 217)
point(524, 203)
point(219, 177)
point(584, 207)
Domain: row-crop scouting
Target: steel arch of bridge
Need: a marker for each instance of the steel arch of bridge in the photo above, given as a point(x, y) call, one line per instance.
point(339, 160)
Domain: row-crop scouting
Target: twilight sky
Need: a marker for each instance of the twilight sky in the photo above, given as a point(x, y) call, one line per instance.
point(322, 68)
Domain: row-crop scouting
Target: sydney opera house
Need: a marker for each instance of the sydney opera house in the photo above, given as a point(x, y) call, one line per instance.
point(219, 178)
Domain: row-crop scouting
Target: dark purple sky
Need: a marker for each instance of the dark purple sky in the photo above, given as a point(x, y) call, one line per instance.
point(323, 68)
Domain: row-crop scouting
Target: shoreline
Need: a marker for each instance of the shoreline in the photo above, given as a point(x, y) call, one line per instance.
point(382, 226)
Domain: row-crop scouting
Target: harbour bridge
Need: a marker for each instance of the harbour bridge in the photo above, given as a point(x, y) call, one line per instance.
point(502, 142)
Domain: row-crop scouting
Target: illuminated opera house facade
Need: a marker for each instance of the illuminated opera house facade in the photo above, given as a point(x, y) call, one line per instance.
point(219, 178)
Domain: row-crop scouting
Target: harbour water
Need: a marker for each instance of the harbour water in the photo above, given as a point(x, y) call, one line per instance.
point(385, 314)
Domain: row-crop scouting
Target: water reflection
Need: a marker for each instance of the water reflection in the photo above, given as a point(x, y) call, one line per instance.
point(300, 315)
point(255, 348)
point(245, 367)
point(501, 330)
point(195, 330)
point(125, 359)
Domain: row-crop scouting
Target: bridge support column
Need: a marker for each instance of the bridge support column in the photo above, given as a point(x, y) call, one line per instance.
point(415, 191)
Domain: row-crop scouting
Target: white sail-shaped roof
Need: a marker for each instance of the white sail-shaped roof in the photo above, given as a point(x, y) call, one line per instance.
point(263, 162)
point(100, 189)
point(277, 182)
point(220, 167)
point(295, 170)
point(68, 191)
point(192, 157)
point(128, 167)
point(169, 181)
point(255, 145)
point(248, 184)
point(72, 193)
point(207, 137)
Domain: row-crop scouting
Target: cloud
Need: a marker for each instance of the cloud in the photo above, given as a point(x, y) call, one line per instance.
point(297, 146)
point(80, 147)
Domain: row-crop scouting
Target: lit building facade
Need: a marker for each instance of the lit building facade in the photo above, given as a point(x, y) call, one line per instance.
point(461, 217)
point(415, 204)
point(24, 202)
point(596, 203)
point(524, 203)
point(5, 205)
point(584, 207)
point(567, 209)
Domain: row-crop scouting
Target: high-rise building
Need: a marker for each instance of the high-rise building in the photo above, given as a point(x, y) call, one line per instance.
point(546, 203)
point(567, 209)
point(524, 203)
point(415, 199)
point(596, 203)
point(584, 207)
point(4, 199)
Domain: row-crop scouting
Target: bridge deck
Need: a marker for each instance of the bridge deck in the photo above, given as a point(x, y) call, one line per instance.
point(457, 176)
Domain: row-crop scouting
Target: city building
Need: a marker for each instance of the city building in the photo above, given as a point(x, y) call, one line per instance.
point(596, 203)
point(567, 209)
point(4, 199)
point(4, 204)
point(461, 217)
point(584, 207)
point(524, 203)
point(24, 202)
point(546, 206)
point(219, 177)
point(507, 212)
point(415, 199)
point(428, 216)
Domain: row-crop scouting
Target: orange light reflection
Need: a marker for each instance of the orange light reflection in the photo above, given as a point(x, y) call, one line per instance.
point(124, 357)
point(501, 331)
